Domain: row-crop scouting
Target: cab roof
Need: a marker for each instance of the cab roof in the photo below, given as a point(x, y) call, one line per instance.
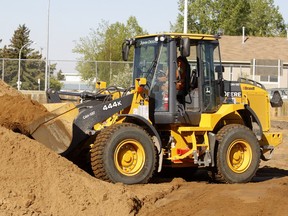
point(182, 35)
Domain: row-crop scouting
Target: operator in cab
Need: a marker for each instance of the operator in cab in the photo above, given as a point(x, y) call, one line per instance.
point(182, 66)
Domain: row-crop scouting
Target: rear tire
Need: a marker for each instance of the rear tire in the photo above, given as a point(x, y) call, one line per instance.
point(238, 154)
point(123, 153)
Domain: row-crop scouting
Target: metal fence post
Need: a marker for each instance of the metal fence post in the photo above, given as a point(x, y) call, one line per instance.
point(3, 69)
point(231, 73)
point(96, 71)
point(279, 72)
point(110, 77)
point(254, 68)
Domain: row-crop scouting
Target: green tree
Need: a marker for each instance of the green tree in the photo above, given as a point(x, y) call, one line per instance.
point(104, 44)
point(32, 66)
point(208, 16)
point(55, 78)
point(55, 83)
point(60, 76)
point(265, 19)
point(232, 15)
point(260, 17)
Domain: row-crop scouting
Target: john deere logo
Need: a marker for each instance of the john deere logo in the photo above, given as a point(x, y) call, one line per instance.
point(233, 94)
point(249, 88)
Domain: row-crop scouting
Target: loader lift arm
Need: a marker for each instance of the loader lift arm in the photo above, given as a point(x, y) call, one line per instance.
point(94, 113)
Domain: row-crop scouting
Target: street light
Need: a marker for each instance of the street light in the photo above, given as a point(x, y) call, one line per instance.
point(47, 54)
point(19, 63)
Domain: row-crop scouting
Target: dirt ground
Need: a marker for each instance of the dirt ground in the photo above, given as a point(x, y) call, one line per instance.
point(37, 181)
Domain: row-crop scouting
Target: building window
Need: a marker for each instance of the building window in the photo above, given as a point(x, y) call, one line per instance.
point(264, 78)
point(272, 78)
point(267, 69)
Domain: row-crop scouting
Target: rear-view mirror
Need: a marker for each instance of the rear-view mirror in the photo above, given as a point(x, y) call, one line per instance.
point(125, 51)
point(219, 69)
point(185, 47)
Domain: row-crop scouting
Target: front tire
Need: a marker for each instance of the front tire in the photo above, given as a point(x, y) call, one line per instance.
point(123, 153)
point(238, 154)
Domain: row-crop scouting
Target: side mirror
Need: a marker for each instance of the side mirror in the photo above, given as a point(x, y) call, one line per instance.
point(276, 100)
point(185, 47)
point(219, 69)
point(125, 50)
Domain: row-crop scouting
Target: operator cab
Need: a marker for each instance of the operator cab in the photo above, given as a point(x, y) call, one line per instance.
point(155, 58)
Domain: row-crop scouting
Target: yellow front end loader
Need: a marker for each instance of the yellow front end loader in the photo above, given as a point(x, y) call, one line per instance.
point(220, 125)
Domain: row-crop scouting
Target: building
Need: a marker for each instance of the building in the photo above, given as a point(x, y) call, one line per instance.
point(263, 59)
point(73, 82)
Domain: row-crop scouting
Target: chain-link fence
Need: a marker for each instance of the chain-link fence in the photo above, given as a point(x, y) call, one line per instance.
point(31, 73)
point(28, 74)
point(115, 73)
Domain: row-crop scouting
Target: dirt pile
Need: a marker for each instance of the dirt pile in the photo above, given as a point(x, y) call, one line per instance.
point(36, 181)
point(18, 111)
point(6, 89)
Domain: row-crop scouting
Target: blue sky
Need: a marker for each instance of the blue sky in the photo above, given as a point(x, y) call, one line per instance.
point(72, 19)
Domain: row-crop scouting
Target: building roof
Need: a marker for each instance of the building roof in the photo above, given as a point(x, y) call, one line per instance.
point(232, 48)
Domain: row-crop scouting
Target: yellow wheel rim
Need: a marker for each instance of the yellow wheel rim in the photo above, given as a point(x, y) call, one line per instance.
point(239, 156)
point(129, 157)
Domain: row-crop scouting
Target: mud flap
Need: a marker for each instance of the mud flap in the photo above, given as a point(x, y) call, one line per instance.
point(267, 152)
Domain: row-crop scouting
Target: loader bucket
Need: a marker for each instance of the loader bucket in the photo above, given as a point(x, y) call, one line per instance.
point(55, 129)
point(67, 125)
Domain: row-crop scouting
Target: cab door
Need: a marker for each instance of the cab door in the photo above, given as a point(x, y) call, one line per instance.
point(210, 80)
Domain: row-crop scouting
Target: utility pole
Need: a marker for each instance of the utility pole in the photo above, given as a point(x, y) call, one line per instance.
point(185, 15)
point(47, 48)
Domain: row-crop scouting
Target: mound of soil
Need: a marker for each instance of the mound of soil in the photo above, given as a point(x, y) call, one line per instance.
point(36, 181)
point(6, 89)
point(18, 111)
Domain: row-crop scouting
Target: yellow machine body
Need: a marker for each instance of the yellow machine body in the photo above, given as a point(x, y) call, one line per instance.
point(222, 125)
